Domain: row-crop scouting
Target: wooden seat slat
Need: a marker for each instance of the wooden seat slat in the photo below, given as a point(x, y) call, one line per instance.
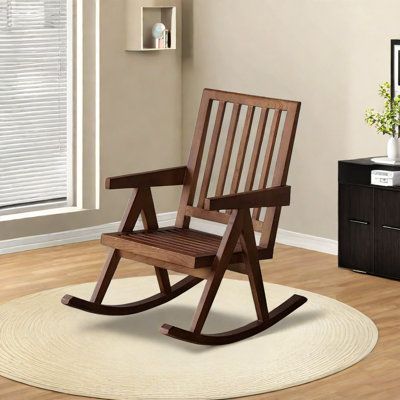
point(186, 243)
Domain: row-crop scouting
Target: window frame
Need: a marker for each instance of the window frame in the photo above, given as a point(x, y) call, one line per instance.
point(71, 124)
point(83, 159)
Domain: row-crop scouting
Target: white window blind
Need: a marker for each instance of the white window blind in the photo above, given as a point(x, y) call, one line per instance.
point(33, 101)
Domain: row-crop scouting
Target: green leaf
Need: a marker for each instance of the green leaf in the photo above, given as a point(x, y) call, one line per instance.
point(388, 121)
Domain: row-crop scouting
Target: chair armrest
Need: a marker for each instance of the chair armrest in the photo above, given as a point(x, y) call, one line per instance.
point(270, 197)
point(160, 177)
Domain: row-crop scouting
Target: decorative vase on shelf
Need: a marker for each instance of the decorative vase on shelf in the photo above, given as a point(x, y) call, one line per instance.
point(158, 33)
point(393, 149)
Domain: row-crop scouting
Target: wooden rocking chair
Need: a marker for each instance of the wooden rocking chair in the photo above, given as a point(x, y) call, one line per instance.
point(203, 255)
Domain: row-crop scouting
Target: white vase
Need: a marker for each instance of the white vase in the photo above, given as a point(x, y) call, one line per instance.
point(393, 150)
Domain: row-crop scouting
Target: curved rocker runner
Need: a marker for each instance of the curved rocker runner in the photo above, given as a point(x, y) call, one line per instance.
point(201, 255)
point(135, 307)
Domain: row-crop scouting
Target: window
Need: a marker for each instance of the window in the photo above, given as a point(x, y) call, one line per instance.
point(35, 103)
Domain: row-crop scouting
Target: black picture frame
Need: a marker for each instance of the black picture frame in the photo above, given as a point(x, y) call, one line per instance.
point(395, 67)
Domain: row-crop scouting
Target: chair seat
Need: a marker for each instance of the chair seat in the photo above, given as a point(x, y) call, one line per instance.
point(186, 247)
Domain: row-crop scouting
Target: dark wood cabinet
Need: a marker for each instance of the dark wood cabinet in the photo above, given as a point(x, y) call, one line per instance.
point(369, 220)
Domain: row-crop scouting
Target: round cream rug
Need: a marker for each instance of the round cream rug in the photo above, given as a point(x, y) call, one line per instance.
point(46, 344)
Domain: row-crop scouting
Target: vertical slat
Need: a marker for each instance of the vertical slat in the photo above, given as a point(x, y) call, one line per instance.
point(212, 152)
point(242, 150)
point(196, 153)
point(268, 156)
point(286, 147)
point(270, 225)
point(270, 149)
point(256, 149)
point(228, 149)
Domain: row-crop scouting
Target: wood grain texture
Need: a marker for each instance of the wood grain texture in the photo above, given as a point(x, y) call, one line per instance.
point(129, 219)
point(253, 101)
point(375, 378)
point(369, 220)
point(216, 216)
point(189, 176)
point(266, 167)
point(274, 196)
point(202, 273)
point(212, 153)
point(387, 233)
point(185, 247)
point(161, 177)
point(252, 263)
point(271, 220)
point(237, 172)
point(135, 307)
point(228, 149)
point(225, 250)
point(106, 275)
point(234, 166)
point(356, 227)
point(256, 149)
point(194, 162)
point(189, 249)
point(285, 118)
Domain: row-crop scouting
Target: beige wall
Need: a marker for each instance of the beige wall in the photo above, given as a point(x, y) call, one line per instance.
point(140, 108)
point(140, 124)
point(329, 54)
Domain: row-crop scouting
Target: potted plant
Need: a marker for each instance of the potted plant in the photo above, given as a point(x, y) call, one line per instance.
point(388, 121)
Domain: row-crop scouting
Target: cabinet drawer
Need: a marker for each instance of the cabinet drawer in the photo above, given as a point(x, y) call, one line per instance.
point(387, 233)
point(387, 208)
point(356, 203)
point(356, 227)
point(387, 252)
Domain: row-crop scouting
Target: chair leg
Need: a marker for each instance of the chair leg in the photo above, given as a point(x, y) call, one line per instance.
point(225, 251)
point(221, 263)
point(257, 288)
point(131, 214)
point(206, 301)
point(105, 277)
point(235, 335)
point(241, 230)
point(214, 282)
point(163, 280)
point(140, 202)
point(249, 247)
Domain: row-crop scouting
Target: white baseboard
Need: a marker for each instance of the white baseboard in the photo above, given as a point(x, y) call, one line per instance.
point(308, 242)
point(166, 219)
point(289, 238)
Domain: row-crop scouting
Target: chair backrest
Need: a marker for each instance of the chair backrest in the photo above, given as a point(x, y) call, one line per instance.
point(240, 155)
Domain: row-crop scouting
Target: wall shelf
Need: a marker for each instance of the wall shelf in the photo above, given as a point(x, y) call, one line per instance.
point(141, 15)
